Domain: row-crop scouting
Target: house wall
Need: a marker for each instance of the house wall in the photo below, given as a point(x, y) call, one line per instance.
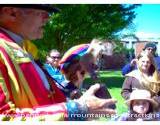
point(118, 61)
point(139, 45)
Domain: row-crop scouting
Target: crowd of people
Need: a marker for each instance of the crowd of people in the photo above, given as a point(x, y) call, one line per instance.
point(142, 83)
point(30, 89)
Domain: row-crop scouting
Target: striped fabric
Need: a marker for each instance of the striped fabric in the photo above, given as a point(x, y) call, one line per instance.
point(21, 88)
point(72, 53)
point(31, 48)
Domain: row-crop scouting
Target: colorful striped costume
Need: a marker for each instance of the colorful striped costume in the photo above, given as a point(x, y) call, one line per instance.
point(22, 92)
point(73, 53)
point(86, 54)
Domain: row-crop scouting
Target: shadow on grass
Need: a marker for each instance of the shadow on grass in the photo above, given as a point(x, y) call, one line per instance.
point(110, 82)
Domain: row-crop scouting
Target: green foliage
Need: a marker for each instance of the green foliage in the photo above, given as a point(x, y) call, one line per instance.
point(77, 24)
point(121, 49)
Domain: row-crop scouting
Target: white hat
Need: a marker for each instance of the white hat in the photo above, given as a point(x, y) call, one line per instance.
point(142, 95)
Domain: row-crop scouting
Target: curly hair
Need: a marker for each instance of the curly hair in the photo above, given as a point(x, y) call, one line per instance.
point(72, 68)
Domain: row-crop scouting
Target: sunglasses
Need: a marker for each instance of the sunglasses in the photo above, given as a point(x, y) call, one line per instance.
point(152, 49)
point(55, 57)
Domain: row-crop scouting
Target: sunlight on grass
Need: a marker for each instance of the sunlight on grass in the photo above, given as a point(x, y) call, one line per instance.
point(110, 73)
point(121, 106)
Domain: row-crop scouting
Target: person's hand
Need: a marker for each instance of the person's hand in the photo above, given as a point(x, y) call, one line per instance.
point(133, 62)
point(95, 104)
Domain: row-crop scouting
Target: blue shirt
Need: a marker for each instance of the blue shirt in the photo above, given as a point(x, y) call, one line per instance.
point(54, 73)
point(62, 83)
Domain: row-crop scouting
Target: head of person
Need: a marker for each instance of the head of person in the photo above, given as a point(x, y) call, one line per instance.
point(96, 48)
point(87, 54)
point(93, 54)
point(146, 63)
point(140, 102)
point(75, 72)
point(26, 20)
point(53, 58)
point(150, 48)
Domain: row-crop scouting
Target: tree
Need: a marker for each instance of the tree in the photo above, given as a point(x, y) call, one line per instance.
point(77, 24)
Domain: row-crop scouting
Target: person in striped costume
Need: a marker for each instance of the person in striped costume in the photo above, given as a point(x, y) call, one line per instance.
point(25, 92)
point(76, 63)
point(87, 54)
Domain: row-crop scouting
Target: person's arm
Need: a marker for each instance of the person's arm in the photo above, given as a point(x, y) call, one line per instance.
point(157, 61)
point(88, 103)
point(129, 67)
point(10, 111)
point(126, 88)
point(126, 69)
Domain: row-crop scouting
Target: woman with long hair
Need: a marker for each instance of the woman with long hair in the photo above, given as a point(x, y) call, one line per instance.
point(145, 77)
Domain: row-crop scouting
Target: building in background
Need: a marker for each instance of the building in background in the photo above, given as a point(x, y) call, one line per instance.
point(113, 60)
point(139, 45)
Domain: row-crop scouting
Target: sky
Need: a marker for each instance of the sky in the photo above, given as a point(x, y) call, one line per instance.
point(147, 21)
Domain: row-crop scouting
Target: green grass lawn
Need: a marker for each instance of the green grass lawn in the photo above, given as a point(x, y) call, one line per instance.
point(113, 80)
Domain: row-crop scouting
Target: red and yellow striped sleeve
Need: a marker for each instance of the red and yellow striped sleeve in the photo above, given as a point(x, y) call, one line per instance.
point(9, 111)
point(12, 93)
